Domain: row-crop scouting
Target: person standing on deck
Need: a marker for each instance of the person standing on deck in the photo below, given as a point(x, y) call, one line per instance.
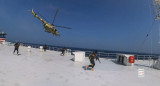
point(45, 47)
point(16, 45)
point(63, 51)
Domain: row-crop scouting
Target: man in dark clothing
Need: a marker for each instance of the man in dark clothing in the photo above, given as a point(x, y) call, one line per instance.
point(16, 48)
point(63, 51)
point(45, 47)
point(92, 56)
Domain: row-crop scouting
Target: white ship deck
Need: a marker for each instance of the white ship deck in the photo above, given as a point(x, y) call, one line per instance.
point(50, 69)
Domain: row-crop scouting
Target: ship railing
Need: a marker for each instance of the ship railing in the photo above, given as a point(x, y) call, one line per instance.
point(48, 47)
point(146, 57)
point(9, 43)
point(87, 52)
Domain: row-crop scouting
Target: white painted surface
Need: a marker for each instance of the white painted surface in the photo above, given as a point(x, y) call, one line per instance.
point(41, 49)
point(141, 73)
point(29, 48)
point(157, 63)
point(50, 69)
point(68, 52)
point(79, 56)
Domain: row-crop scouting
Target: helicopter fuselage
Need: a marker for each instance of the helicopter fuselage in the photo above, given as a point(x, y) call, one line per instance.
point(48, 27)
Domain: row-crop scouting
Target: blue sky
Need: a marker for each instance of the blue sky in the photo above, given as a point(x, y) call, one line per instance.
point(119, 25)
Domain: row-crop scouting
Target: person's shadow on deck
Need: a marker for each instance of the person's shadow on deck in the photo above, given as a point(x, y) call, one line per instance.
point(84, 67)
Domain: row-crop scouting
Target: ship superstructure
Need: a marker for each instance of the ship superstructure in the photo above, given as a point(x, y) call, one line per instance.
point(2, 37)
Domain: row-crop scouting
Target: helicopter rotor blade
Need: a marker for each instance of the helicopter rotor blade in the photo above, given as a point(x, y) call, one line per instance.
point(63, 27)
point(55, 15)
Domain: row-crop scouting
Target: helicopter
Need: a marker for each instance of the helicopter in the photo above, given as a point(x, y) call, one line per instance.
point(50, 28)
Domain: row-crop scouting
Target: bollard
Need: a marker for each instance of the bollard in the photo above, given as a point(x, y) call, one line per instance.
point(68, 52)
point(41, 48)
point(29, 49)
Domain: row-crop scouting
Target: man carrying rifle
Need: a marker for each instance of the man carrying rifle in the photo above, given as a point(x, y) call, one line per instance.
point(92, 56)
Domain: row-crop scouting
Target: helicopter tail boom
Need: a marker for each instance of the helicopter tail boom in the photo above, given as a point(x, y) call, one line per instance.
point(35, 15)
